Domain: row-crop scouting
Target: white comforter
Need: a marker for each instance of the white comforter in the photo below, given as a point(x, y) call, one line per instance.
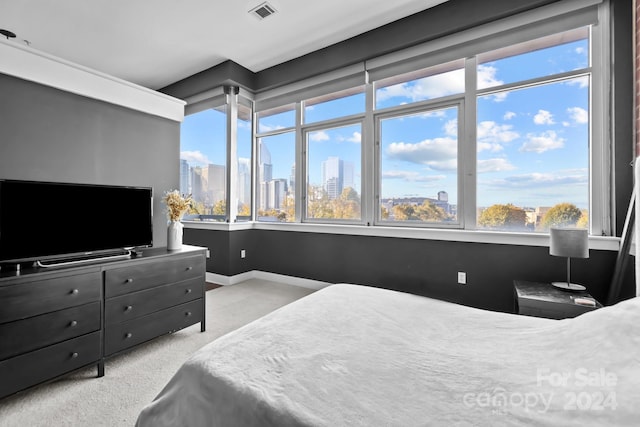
point(360, 356)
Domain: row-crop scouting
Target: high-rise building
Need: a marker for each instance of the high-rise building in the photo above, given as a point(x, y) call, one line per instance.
point(244, 181)
point(337, 175)
point(185, 184)
point(277, 193)
point(214, 178)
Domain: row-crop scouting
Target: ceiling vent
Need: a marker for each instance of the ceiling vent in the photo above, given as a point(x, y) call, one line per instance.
point(263, 10)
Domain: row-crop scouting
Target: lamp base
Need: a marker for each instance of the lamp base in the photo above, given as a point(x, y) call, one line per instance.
point(568, 286)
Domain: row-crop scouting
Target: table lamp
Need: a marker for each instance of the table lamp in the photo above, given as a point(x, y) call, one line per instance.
point(570, 243)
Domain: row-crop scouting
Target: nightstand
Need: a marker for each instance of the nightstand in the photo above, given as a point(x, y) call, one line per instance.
point(544, 300)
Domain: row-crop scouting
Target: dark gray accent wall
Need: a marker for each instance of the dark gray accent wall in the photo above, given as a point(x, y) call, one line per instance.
point(51, 135)
point(422, 267)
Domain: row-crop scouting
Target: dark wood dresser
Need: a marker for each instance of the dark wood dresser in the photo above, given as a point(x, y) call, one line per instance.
point(56, 320)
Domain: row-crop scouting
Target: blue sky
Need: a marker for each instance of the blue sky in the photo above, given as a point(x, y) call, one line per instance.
point(532, 144)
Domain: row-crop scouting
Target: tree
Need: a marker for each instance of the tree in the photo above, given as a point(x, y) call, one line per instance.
point(220, 207)
point(561, 215)
point(427, 212)
point(347, 206)
point(583, 222)
point(404, 212)
point(503, 216)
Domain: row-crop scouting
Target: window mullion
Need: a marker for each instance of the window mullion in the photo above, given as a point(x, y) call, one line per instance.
point(300, 172)
point(467, 149)
point(369, 165)
point(232, 155)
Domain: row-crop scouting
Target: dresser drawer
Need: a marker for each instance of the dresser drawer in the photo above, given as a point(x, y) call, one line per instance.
point(137, 304)
point(36, 332)
point(26, 299)
point(128, 334)
point(32, 368)
point(123, 280)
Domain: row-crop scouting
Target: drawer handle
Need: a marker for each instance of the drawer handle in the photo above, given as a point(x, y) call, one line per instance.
point(73, 323)
point(129, 280)
point(188, 314)
point(189, 268)
point(128, 335)
point(74, 292)
point(188, 291)
point(74, 355)
point(128, 308)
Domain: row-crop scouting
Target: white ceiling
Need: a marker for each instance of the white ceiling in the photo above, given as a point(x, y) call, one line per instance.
point(156, 42)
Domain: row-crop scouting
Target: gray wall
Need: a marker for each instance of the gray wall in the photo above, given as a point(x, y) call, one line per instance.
point(51, 135)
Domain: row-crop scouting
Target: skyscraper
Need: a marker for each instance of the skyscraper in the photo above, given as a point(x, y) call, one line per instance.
point(337, 175)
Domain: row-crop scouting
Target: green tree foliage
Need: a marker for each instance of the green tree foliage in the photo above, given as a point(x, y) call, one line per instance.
point(502, 217)
point(220, 207)
point(345, 206)
point(197, 208)
point(583, 222)
point(561, 215)
point(427, 211)
point(244, 210)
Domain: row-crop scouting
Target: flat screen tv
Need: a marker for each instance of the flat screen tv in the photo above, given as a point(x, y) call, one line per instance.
point(52, 220)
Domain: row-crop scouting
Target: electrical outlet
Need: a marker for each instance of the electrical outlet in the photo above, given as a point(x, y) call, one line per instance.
point(243, 253)
point(208, 253)
point(462, 278)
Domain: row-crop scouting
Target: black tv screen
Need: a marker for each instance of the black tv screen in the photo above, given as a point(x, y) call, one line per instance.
point(44, 220)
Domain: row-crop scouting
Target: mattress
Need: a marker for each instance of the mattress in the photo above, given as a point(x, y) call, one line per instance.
point(361, 356)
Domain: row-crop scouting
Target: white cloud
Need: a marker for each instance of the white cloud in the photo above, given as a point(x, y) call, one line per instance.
point(543, 117)
point(542, 180)
point(509, 115)
point(356, 137)
point(451, 127)
point(489, 146)
point(494, 165)
point(196, 158)
point(543, 142)
point(578, 115)
point(492, 136)
point(430, 87)
point(412, 176)
point(487, 76)
point(437, 153)
point(581, 82)
point(267, 128)
point(319, 136)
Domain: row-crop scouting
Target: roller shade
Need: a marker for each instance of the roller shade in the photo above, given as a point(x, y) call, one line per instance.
point(557, 17)
point(344, 78)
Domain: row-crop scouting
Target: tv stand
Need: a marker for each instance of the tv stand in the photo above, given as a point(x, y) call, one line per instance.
point(65, 262)
point(54, 321)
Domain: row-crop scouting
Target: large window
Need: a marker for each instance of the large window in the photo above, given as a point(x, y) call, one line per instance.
point(419, 166)
point(203, 159)
point(533, 133)
point(467, 132)
point(334, 173)
point(276, 177)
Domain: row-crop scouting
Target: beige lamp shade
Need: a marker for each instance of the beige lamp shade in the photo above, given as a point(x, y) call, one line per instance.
point(569, 242)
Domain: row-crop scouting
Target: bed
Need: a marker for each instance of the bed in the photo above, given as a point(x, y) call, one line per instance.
point(360, 356)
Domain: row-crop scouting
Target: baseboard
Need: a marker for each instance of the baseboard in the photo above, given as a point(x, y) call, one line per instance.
point(263, 275)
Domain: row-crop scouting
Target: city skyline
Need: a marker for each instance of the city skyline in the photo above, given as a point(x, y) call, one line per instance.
point(532, 143)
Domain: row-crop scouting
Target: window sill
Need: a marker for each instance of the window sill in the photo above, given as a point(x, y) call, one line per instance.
point(502, 238)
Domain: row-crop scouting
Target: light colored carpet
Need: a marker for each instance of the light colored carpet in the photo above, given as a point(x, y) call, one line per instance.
point(134, 378)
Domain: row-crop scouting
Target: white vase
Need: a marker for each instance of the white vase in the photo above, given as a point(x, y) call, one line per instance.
point(174, 235)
